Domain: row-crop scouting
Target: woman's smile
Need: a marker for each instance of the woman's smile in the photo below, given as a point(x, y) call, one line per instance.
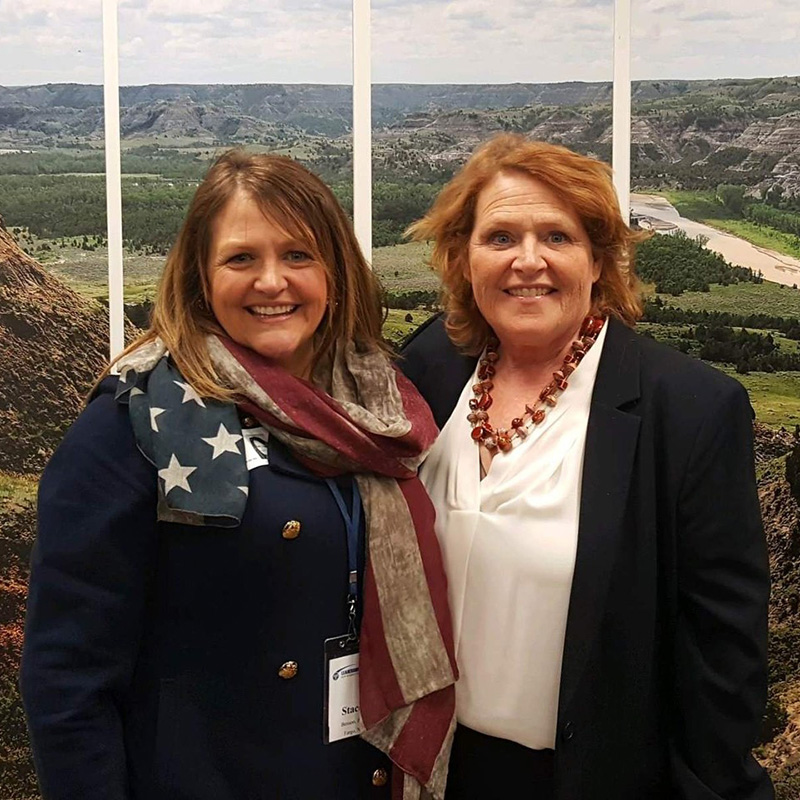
point(272, 312)
point(529, 292)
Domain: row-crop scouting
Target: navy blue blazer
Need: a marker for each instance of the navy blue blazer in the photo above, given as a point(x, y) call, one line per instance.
point(663, 682)
point(152, 650)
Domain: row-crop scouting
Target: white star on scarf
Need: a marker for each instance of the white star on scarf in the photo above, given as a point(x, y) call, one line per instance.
point(154, 412)
point(223, 442)
point(189, 394)
point(175, 475)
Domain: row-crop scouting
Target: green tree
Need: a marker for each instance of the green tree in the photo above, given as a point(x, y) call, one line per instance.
point(732, 197)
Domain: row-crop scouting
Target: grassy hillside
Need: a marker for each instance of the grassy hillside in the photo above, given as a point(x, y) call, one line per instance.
point(775, 397)
point(742, 298)
point(405, 266)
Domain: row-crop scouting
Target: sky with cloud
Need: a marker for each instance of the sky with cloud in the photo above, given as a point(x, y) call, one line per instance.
point(417, 41)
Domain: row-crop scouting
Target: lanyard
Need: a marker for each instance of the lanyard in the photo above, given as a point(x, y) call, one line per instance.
point(352, 522)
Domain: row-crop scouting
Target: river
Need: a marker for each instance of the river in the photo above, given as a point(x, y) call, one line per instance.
point(774, 266)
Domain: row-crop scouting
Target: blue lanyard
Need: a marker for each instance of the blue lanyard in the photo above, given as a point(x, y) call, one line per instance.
point(352, 522)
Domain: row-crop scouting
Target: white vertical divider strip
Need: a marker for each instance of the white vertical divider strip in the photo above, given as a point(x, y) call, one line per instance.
point(113, 176)
point(621, 120)
point(362, 126)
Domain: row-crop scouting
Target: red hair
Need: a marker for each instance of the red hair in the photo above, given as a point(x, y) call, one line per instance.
point(583, 182)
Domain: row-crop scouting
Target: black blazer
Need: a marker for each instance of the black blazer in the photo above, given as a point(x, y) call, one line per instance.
point(150, 668)
point(663, 682)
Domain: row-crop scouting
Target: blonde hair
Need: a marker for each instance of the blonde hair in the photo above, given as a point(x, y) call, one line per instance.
point(583, 182)
point(298, 201)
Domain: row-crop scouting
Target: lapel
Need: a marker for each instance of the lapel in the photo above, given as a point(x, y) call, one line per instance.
point(611, 440)
point(436, 367)
point(447, 381)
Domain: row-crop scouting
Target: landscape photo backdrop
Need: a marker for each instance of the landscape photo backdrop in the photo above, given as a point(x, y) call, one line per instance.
point(715, 175)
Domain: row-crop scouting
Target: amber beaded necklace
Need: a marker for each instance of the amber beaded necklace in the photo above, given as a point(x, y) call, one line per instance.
point(503, 439)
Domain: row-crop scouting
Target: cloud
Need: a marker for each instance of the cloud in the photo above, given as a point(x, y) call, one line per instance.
point(688, 39)
point(132, 48)
point(710, 16)
point(474, 15)
point(382, 4)
point(445, 41)
point(34, 8)
point(182, 10)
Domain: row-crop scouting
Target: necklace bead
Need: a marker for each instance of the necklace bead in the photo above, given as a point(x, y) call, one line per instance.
point(504, 440)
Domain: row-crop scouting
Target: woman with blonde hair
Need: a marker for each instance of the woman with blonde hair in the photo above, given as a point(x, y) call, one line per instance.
point(236, 572)
point(596, 504)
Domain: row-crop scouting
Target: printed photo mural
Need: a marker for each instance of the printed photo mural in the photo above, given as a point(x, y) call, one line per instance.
point(715, 176)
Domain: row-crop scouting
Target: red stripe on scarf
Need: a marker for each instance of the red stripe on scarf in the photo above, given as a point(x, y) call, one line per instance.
point(417, 747)
point(317, 415)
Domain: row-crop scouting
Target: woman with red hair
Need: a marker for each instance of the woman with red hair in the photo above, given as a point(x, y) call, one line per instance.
point(596, 504)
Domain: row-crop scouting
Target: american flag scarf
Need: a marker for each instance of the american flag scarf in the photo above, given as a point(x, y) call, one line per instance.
point(357, 415)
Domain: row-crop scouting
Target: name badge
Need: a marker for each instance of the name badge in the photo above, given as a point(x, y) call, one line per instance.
point(342, 716)
point(256, 449)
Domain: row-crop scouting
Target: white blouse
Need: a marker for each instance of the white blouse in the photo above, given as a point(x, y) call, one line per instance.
point(509, 544)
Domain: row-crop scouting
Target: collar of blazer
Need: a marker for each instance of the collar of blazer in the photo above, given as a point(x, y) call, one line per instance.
point(611, 438)
point(440, 372)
